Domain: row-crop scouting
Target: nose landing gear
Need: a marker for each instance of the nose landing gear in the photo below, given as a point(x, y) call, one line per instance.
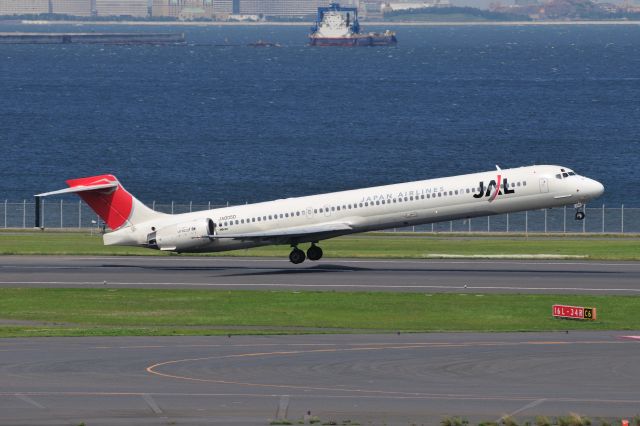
point(579, 211)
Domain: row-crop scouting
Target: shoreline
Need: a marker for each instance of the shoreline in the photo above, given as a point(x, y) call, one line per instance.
point(306, 24)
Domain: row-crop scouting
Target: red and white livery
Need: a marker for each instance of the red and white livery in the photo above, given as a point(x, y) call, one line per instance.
point(310, 219)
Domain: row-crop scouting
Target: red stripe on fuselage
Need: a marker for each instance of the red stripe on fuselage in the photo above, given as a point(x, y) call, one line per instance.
point(113, 205)
point(495, 194)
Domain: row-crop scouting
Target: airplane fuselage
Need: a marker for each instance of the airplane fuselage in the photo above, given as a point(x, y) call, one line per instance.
point(369, 209)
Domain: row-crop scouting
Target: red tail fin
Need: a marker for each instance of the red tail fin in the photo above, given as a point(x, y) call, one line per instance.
point(113, 204)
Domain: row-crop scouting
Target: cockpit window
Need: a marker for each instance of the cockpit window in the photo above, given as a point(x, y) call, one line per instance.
point(564, 174)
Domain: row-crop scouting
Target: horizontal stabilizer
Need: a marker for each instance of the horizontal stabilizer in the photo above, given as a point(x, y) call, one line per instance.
point(81, 188)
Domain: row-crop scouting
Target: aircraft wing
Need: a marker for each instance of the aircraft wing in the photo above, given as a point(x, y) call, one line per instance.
point(298, 233)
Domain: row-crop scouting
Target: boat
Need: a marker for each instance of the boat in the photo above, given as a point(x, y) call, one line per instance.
point(339, 26)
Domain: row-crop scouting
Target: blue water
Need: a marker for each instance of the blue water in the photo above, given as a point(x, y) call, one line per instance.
point(208, 123)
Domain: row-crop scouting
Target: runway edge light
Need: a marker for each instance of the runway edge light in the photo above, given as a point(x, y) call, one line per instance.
point(574, 312)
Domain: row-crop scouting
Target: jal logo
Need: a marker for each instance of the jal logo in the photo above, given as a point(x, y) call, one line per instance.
point(493, 189)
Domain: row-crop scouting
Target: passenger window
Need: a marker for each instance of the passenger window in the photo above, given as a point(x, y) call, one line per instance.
point(518, 183)
point(286, 215)
point(406, 199)
point(333, 209)
point(349, 206)
point(344, 207)
point(428, 195)
point(259, 218)
point(360, 204)
point(237, 222)
point(315, 210)
point(439, 194)
point(524, 183)
point(366, 204)
point(264, 218)
point(565, 174)
point(297, 213)
point(456, 192)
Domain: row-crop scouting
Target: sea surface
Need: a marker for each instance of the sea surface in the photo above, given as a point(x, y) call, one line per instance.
point(206, 122)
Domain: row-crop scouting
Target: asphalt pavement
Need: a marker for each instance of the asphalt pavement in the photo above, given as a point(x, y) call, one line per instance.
point(368, 379)
point(480, 276)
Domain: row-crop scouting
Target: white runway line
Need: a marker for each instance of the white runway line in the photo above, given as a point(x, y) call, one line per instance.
point(334, 261)
point(29, 401)
point(520, 410)
point(151, 403)
point(300, 286)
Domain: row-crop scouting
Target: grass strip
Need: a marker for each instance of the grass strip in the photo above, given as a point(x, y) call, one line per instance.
point(362, 246)
point(123, 312)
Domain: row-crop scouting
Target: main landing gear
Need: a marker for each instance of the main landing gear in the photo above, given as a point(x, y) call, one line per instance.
point(579, 211)
point(297, 256)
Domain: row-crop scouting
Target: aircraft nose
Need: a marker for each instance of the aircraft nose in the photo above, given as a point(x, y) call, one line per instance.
point(594, 188)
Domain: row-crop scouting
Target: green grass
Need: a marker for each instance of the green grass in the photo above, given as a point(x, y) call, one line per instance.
point(363, 246)
point(79, 312)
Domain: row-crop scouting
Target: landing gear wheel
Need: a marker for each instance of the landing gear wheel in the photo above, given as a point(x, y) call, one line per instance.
point(314, 252)
point(296, 256)
point(579, 211)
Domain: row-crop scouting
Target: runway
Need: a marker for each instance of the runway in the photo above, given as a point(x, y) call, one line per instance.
point(368, 379)
point(479, 276)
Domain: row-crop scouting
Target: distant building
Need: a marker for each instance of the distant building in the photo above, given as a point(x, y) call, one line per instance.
point(370, 9)
point(137, 8)
point(414, 5)
point(222, 8)
point(405, 6)
point(283, 8)
point(192, 9)
point(23, 7)
point(71, 7)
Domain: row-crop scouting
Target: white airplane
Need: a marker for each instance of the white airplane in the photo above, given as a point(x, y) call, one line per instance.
point(310, 219)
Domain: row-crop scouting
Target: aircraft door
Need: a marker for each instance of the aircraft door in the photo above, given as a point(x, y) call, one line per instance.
point(544, 185)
